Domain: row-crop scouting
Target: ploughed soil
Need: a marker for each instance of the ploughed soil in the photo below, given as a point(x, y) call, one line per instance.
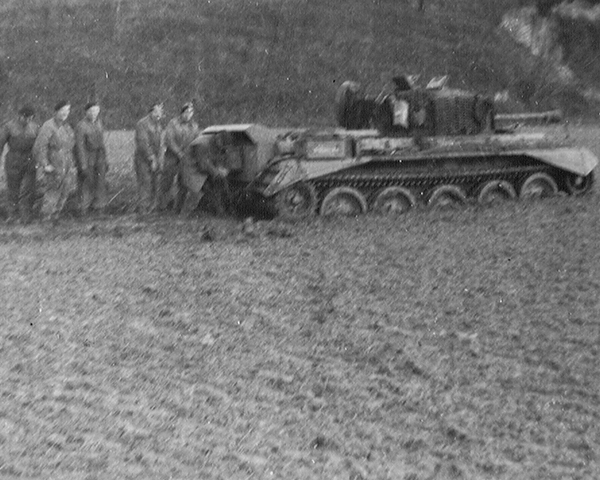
point(439, 345)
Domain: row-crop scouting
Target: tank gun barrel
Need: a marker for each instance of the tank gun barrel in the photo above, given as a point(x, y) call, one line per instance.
point(551, 116)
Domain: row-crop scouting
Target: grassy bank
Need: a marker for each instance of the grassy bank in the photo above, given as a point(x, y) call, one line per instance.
point(275, 62)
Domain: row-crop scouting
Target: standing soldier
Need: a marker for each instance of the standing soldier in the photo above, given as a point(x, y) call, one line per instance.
point(53, 153)
point(148, 157)
point(90, 155)
point(19, 165)
point(204, 163)
point(179, 134)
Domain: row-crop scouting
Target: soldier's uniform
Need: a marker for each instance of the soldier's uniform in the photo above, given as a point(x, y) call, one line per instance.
point(202, 164)
point(147, 157)
point(19, 166)
point(90, 156)
point(179, 134)
point(54, 146)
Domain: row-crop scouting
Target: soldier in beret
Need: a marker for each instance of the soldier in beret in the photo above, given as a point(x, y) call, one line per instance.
point(53, 153)
point(181, 131)
point(148, 158)
point(90, 157)
point(19, 166)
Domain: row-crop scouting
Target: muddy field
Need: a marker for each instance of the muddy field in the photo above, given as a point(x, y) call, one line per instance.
point(442, 345)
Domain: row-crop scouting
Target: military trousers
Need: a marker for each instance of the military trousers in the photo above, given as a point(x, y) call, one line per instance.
point(20, 184)
point(147, 185)
point(171, 171)
point(57, 187)
point(91, 183)
point(193, 181)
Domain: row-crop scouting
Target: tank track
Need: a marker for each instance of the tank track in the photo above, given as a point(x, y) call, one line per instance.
point(421, 178)
point(369, 182)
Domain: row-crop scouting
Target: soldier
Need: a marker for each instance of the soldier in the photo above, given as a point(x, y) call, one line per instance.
point(19, 165)
point(148, 157)
point(90, 156)
point(179, 134)
point(53, 153)
point(202, 163)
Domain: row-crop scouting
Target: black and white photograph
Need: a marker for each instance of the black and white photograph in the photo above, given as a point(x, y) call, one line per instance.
point(299, 239)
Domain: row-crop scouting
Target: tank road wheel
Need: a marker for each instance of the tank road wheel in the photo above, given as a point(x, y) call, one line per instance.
point(343, 201)
point(496, 191)
point(447, 196)
point(296, 202)
point(538, 185)
point(577, 184)
point(393, 201)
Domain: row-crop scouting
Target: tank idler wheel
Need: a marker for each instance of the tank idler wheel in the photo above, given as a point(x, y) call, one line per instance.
point(343, 201)
point(578, 184)
point(393, 201)
point(496, 191)
point(447, 196)
point(538, 185)
point(296, 202)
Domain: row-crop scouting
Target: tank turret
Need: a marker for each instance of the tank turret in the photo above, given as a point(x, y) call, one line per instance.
point(405, 109)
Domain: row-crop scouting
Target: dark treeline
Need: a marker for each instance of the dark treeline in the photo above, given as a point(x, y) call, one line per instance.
point(270, 61)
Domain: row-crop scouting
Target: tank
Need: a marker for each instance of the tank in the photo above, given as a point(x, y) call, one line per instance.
point(406, 147)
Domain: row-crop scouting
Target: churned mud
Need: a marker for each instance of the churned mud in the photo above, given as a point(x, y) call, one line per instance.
point(440, 345)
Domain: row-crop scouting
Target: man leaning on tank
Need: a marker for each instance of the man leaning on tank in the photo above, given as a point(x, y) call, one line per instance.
point(19, 166)
point(203, 169)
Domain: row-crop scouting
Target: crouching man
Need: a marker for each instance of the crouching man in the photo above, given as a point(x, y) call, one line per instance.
point(203, 171)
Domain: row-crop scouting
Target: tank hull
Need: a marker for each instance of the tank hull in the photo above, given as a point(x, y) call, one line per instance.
point(421, 167)
point(301, 172)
